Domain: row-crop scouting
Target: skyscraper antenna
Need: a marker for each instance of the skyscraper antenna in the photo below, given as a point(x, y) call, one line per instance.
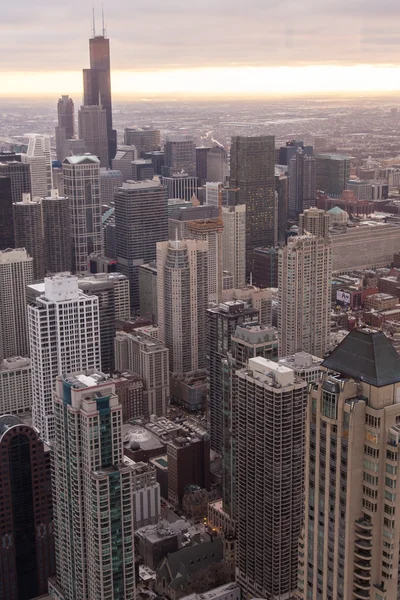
point(93, 24)
point(102, 20)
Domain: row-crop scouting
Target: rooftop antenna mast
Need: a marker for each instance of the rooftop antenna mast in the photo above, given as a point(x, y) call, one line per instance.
point(93, 24)
point(102, 21)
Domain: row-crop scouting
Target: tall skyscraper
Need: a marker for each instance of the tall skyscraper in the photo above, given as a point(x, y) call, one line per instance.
point(290, 149)
point(26, 514)
point(271, 412)
point(93, 131)
point(144, 140)
point(304, 281)
point(65, 129)
point(234, 243)
point(38, 157)
point(221, 324)
point(6, 214)
point(282, 189)
point(93, 493)
point(182, 281)
point(97, 84)
point(57, 232)
point(20, 175)
point(28, 227)
point(333, 173)
point(141, 221)
point(350, 547)
point(217, 164)
point(16, 272)
point(179, 155)
point(64, 336)
point(314, 221)
point(201, 163)
point(81, 176)
point(302, 183)
point(253, 173)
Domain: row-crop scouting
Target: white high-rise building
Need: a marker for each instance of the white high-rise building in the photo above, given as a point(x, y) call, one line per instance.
point(304, 280)
point(93, 493)
point(213, 190)
point(81, 176)
point(39, 158)
point(234, 243)
point(16, 272)
point(64, 337)
point(182, 295)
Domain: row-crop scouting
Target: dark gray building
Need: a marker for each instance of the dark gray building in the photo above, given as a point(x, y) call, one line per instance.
point(148, 291)
point(179, 155)
point(302, 183)
point(28, 228)
point(20, 176)
point(6, 214)
point(333, 173)
point(141, 220)
point(253, 173)
point(142, 169)
point(57, 233)
point(144, 140)
point(201, 163)
point(289, 150)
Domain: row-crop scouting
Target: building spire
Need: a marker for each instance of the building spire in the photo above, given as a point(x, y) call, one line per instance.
point(93, 24)
point(102, 21)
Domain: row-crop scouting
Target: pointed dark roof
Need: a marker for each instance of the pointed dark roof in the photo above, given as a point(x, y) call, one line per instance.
point(366, 355)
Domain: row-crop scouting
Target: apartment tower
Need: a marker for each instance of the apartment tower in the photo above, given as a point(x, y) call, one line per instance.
point(7, 239)
point(234, 243)
point(57, 232)
point(28, 227)
point(314, 221)
point(38, 157)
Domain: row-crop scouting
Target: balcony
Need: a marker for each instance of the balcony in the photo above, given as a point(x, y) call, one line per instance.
point(364, 524)
point(364, 544)
point(363, 554)
point(364, 535)
point(362, 585)
point(361, 594)
point(362, 573)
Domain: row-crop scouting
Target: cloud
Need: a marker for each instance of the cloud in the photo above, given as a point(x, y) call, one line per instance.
point(159, 34)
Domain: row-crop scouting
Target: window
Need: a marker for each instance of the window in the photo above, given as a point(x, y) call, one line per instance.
point(329, 405)
point(371, 451)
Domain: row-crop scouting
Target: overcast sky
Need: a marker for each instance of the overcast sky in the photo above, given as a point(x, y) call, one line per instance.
point(153, 34)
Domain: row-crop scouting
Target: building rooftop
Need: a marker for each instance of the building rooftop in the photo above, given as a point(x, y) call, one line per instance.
point(335, 211)
point(368, 356)
point(8, 421)
point(15, 362)
point(81, 159)
point(82, 380)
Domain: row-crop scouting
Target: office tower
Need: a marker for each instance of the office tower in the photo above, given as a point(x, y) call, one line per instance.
point(6, 214)
point(28, 227)
point(38, 157)
point(201, 163)
point(302, 183)
point(217, 164)
point(16, 272)
point(65, 129)
point(92, 121)
point(253, 172)
point(148, 357)
point(148, 292)
point(129, 389)
point(304, 282)
point(180, 185)
point(57, 232)
point(265, 272)
point(20, 176)
point(144, 140)
point(213, 191)
point(15, 385)
point(271, 412)
point(333, 173)
point(287, 152)
point(97, 84)
point(234, 243)
point(179, 156)
point(26, 514)
point(123, 159)
point(92, 491)
point(110, 181)
point(350, 547)
point(282, 189)
point(64, 336)
point(141, 222)
point(222, 321)
point(108, 230)
point(157, 158)
point(182, 281)
point(81, 176)
point(142, 169)
point(314, 221)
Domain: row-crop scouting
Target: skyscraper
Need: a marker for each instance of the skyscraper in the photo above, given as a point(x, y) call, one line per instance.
point(65, 129)
point(201, 163)
point(93, 493)
point(26, 514)
point(97, 83)
point(28, 227)
point(141, 221)
point(93, 131)
point(271, 412)
point(180, 185)
point(6, 214)
point(304, 281)
point(144, 140)
point(179, 155)
point(16, 272)
point(217, 164)
point(234, 243)
point(289, 150)
point(333, 173)
point(110, 181)
point(123, 159)
point(38, 157)
point(302, 183)
point(221, 324)
point(182, 281)
point(64, 336)
point(253, 173)
point(57, 233)
point(314, 221)
point(350, 547)
point(20, 175)
point(81, 176)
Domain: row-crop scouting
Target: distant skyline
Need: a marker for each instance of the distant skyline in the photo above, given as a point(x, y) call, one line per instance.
point(204, 48)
